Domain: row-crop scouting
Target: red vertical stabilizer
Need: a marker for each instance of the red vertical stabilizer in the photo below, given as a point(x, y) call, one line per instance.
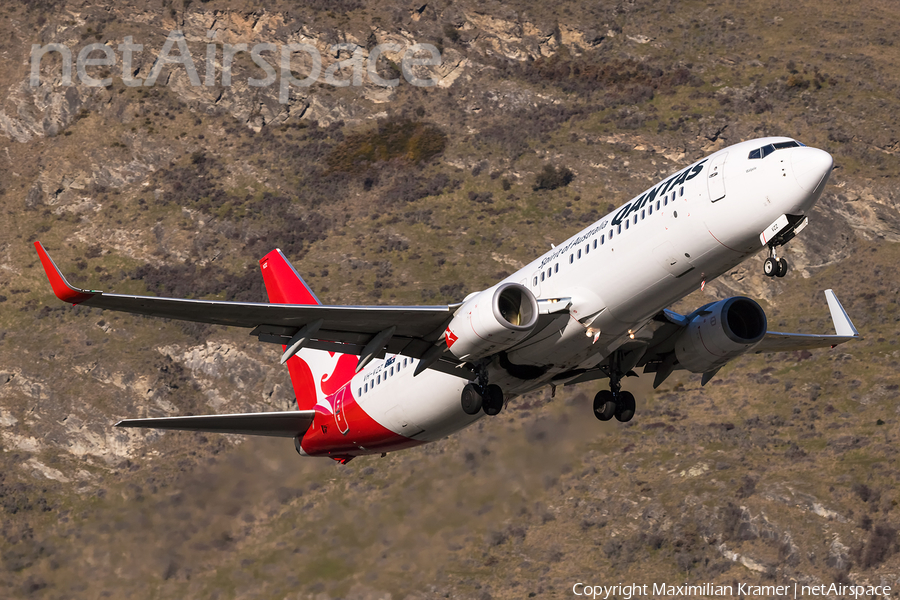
point(285, 286)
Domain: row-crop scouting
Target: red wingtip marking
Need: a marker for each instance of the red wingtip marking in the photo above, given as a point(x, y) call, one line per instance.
point(61, 287)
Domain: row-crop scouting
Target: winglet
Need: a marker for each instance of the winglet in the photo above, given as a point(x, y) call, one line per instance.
point(842, 324)
point(61, 287)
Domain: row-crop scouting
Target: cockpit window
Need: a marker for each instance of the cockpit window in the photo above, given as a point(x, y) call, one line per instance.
point(770, 148)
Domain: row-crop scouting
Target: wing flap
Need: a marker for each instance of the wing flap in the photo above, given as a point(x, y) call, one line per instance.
point(273, 424)
point(411, 321)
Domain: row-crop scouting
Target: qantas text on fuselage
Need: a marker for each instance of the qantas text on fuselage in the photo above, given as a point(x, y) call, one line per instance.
point(373, 379)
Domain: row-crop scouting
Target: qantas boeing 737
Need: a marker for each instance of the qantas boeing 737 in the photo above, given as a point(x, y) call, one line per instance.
point(374, 379)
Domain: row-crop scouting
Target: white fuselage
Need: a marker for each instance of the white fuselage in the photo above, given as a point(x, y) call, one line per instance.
point(619, 272)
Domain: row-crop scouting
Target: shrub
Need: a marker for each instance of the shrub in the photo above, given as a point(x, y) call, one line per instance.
point(617, 81)
point(552, 177)
point(401, 140)
point(481, 197)
point(881, 543)
point(451, 33)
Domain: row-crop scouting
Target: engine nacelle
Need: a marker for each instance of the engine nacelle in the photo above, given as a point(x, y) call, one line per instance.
point(492, 320)
point(720, 332)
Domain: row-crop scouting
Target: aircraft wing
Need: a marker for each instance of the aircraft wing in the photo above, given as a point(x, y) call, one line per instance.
point(345, 329)
point(776, 341)
point(655, 344)
point(274, 424)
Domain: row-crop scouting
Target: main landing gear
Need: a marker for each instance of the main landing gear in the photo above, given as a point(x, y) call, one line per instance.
point(481, 396)
point(614, 402)
point(618, 404)
point(775, 267)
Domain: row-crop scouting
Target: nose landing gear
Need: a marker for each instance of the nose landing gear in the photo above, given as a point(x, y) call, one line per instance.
point(775, 267)
point(779, 233)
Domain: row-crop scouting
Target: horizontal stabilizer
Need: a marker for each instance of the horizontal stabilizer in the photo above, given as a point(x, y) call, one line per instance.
point(274, 424)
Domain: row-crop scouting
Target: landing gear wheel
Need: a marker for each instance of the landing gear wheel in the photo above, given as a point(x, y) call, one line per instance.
point(493, 400)
point(604, 405)
point(770, 267)
point(782, 268)
point(625, 407)
point(471, 399)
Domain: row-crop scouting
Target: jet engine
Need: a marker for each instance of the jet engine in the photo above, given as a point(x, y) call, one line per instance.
point(720, 332)
point(492, 320)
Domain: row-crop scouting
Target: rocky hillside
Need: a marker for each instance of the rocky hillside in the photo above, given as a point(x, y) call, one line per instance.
point(783, 469)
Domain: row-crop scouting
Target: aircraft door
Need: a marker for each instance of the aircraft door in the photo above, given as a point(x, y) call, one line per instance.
point(340, 417)
point(716, 178)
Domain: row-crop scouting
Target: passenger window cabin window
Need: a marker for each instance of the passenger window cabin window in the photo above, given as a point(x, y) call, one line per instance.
point(571, 258)
point(542, 275)
point(366, 387)
point(642, 214)
point(392, 371)
point(627, 223)
point(587, 249)
point(579, 253)
point(657, 205)
point(635, 219)
point(681, 191)
point(602, 240)
point(618, 229)
point(359, 391)
point(649, 210)
point(378, 379)
point(535, 281)
point(556, 268)
point(595, 242)
point(665, 200)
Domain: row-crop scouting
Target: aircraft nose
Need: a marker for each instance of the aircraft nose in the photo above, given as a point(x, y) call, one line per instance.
point(811, 167)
